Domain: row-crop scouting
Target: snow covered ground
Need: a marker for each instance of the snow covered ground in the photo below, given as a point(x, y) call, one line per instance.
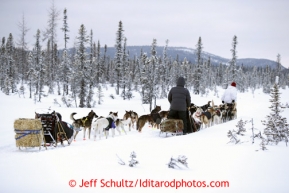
point(211, 159)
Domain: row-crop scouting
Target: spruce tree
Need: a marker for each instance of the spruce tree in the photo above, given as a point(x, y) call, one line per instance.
point(65, 57)
point(22, 44)
point(266, 80)
point(276, 127)
point(37, 60)
point(118, 56)
point(150, 78)
point(11, 76)
point(40, 77)
point(91, 71)
point(199, 66)
point(233, 62)
point(65, 28)
point(30, 73)
point(163, 71)
point(3, 65)
point(81, 64)
point(51, 35)
point(125, 72)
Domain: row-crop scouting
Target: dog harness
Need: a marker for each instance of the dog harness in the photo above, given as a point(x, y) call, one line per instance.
point(207, 114)
point(111, 123)
point(83, 120)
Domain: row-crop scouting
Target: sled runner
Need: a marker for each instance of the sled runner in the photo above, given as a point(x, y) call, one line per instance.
point(172, 126)
point(54, 129)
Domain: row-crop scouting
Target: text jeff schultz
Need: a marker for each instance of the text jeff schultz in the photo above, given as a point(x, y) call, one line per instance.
point(149, 183)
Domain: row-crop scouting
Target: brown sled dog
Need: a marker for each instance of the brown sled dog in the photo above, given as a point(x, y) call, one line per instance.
point(142, 120)
point(154, 119)
point(129, 118)
point(84, 122)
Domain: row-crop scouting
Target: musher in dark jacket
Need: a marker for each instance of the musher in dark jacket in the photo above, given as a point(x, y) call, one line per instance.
point(180, 99)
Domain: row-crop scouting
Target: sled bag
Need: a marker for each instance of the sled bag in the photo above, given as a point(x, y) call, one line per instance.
point(172, 125)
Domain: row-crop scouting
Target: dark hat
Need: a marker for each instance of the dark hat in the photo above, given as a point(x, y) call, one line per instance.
point(233, 84)
point(181, 81)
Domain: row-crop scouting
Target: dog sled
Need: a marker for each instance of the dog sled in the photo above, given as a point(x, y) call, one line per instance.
point(54, 129)
point(172, 126)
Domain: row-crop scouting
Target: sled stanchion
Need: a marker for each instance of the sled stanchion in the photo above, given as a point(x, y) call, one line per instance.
point(54, 130)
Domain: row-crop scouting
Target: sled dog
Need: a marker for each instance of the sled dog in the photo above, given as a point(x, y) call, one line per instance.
point(84, 122)
point(129, 118)
point(156, 116)
point(103, 124)
point(142, 120)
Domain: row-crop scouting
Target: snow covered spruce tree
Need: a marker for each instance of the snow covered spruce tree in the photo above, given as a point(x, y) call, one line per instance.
point(276, 127)
point(30, 73)
point(118, 56)
point(266, 80)
point(199, 66)
point(81, 63)
point(40, 76)
point(143, 77)
point(149, 77)
point(205, 78)
point(10, 79)
point(125, 81)
point(92, 69)
point(51, 35)
point(2, 64)
point(233, 62)
point(103, 68)
point(163, 70)
point(22, 45)
point(96, 59)
point(37, 65)
point(64, 66)
point(243, 79)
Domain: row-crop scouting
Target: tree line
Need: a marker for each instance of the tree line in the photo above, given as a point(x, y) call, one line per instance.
point(80, 76)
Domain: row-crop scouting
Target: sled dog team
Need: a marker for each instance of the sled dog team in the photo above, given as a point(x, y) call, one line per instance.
point(103, 124)
point(204, 116)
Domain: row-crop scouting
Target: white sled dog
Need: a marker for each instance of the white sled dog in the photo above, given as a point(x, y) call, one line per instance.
point(103, 124)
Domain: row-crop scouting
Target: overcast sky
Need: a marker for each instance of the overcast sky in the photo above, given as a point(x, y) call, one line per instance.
point(261, 26)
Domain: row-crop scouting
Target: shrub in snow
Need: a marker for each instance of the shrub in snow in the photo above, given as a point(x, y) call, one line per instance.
point(133, 162)
point(263, 144)
point(233, 137)
point(241, 127)
point(176, 163)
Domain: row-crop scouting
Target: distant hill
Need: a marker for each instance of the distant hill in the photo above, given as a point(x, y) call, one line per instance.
point(189, 54)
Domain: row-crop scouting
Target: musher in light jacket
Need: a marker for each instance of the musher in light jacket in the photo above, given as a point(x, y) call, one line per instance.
point(230, 94)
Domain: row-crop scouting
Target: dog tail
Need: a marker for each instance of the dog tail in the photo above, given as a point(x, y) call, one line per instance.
point(71, 116)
